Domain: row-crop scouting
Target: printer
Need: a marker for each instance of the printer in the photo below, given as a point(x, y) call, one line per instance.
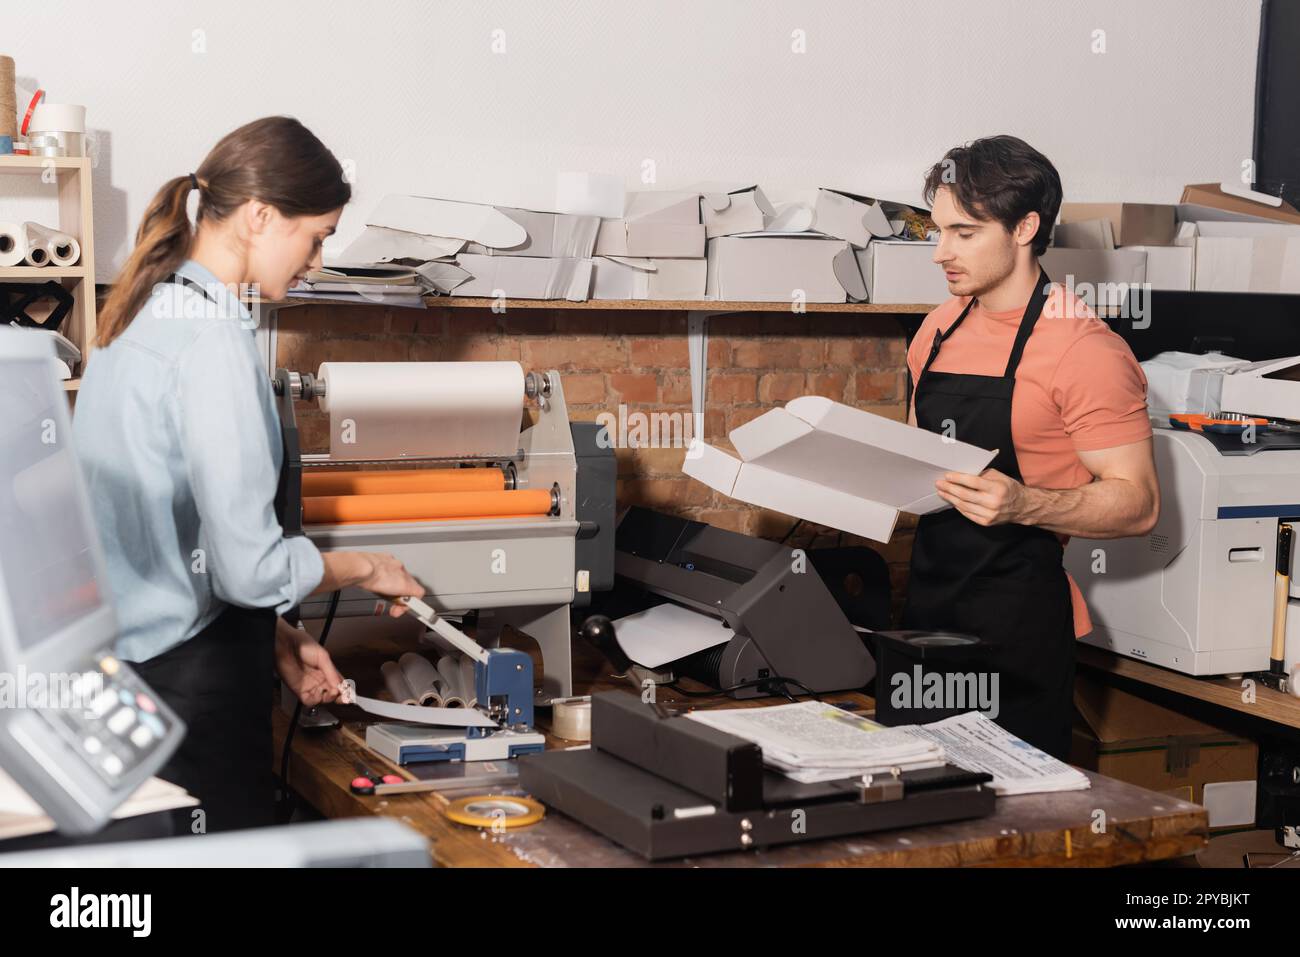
point(427, 461)
point(783, 620)
point(1199, 593)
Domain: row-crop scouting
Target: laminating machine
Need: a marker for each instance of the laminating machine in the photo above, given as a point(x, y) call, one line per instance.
point(515, 526)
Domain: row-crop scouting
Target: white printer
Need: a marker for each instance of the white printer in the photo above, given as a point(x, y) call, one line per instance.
point(1197, 593)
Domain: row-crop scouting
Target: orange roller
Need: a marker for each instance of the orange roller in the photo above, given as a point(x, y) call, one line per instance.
point(423, 506)
point(402, 481)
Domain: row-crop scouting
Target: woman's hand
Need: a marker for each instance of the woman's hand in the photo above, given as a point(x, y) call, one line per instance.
point(378, 572)
point(305, 666)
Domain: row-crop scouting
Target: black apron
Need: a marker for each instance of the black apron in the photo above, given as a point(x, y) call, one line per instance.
point(1004, 583)
point(221, 684)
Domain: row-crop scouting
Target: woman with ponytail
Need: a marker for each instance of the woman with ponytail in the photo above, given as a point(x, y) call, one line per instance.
point(179, 437)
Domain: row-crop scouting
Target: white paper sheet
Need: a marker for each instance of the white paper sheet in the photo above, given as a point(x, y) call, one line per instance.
point(668, 632)
point(977, 743)
point(418, 714)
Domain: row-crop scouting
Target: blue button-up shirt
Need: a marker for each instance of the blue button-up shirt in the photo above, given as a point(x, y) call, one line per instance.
point(179, 440)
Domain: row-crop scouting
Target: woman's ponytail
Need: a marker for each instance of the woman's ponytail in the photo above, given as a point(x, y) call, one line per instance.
point(161, 245)
point(275, 159)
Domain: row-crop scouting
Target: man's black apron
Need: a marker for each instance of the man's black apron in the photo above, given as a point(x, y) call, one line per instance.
point(220, 682)
point(1004, 583)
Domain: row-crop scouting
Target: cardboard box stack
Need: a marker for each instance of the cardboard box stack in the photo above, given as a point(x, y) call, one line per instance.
point(729, 242)
point(1132, 739)
point(717, 241)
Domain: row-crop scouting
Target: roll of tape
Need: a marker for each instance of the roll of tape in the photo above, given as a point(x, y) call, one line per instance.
point(487, 810)
point(571, 718)
point(34, 102)
point(58, 118)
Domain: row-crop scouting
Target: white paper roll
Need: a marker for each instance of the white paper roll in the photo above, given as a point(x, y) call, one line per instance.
point(453, 696)
point(467, 684)
point(60, 248)
point(423, 678)
point(395, 681)
point(381, 410)
point(13, 244)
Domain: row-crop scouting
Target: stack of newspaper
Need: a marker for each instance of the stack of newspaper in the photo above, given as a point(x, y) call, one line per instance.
point(810, 741)
point(976, 743)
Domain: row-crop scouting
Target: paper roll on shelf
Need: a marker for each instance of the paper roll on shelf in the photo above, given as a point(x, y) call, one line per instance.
point(58, 248)
point(13, 244)
point(426, 684)
point(385, 410)
point(399, 689)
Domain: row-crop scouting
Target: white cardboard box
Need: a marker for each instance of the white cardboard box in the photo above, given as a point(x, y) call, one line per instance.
point(830, 463)
point(904, 272)
point(654, 279)
point(525, 277)
point(852, 217)
point(1103, 278)
point(1247, 257)
point(730, 208)
point(657, 223)
point(472, 222)
point(1270, 388)
point(779, 267)
point(549, 235)
point(1169, 267)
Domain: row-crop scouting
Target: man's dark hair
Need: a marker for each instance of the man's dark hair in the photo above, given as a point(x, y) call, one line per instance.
point(1001, 178)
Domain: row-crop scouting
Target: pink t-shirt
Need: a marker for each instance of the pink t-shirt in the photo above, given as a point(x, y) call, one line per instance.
point(1078, 388)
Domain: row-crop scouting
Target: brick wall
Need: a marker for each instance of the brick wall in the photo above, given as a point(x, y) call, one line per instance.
point(639, 359)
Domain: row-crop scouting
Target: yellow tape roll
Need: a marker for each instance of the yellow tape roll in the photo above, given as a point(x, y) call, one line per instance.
point(495, 811)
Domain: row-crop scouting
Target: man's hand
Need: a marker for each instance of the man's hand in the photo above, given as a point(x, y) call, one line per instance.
point(305, 666)
point(987, 499)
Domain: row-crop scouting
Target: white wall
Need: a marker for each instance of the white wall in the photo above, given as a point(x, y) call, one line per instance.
point(413, 93)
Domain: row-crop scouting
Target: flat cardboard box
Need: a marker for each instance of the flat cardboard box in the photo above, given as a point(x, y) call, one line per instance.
point(549, 235)
point(1101, 277)
point(656, 223)
point(903, 272)
point(830, 463)
point(775, 267)
point(1212, 200)
point(1132, 224)
point(524, 277)
point(652, 279)
point(378, 244)
point(730, 208)
point(426, 216)
point(1085, 234)
point(1270, 388)
point(853, 217)
point(1127, 737)
point(1247, 257)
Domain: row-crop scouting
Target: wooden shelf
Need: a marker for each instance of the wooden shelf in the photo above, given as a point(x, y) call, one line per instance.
point(26, 164)
point(42, 272)
point(1269, 704)
point(70, 186)
point(674, 305)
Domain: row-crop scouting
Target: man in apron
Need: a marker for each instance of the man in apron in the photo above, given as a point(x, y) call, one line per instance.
point(1017, 364)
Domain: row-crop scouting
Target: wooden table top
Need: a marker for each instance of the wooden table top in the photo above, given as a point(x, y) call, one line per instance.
point(1036, 830)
